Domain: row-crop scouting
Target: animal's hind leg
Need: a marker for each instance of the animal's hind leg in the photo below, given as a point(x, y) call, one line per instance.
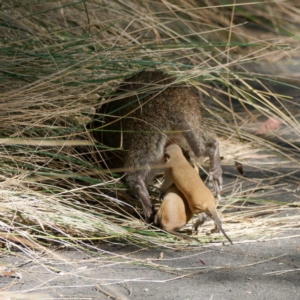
point(136, 181)
point(216, 228)
point(201, 219)
point(215, 172)
point(139, 161)
point(207, 145)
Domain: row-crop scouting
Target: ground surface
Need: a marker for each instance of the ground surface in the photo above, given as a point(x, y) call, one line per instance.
point(269, 269)
point(263, 270)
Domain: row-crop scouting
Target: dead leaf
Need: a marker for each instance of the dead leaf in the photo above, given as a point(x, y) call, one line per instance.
point(270, 125)
point(7, 272)
point(239, 167)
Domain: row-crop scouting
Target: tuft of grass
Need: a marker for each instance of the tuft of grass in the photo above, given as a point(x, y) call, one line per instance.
point(60, 59)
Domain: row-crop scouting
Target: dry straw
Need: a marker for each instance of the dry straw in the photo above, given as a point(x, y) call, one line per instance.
point(59, 58)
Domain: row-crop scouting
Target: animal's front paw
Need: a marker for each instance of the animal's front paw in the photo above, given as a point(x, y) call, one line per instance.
point(216, 179)
point(201, 219)
point(150, 216)
point(215, 174)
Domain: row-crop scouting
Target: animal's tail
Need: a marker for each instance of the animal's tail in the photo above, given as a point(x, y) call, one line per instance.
point(219, 225)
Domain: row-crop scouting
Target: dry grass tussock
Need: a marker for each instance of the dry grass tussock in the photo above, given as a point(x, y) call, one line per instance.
point(59, 58)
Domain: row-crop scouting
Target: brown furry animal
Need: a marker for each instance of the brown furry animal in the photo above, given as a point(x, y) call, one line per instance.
point(174, 212)
point(151, 109)
point(188, 182)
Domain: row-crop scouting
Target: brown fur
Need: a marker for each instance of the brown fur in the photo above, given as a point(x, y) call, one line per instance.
point(188, 182)
point(152, 109)
point(174, 213)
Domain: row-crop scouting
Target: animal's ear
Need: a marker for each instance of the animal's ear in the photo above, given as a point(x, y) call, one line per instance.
point(167, 157)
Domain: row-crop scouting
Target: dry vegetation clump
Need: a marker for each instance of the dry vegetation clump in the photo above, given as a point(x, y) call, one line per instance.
point(60, 58)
